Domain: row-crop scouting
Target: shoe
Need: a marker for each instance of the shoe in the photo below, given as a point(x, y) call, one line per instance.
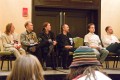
point(54, 68)
point(44, 66)
point(65, 68)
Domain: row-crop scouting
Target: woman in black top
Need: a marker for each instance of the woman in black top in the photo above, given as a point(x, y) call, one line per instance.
point(47, 43)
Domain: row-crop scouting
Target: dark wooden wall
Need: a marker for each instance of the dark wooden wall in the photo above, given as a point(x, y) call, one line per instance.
point(76, 13)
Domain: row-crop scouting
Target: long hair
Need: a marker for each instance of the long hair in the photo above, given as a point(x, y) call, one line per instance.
point(8, 28)
point(83, 70)
point(45, 25)
point(26, 67)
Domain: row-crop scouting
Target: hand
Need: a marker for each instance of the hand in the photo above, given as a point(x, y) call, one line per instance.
point(54, 43)
point(68, 47)
point(96, 47)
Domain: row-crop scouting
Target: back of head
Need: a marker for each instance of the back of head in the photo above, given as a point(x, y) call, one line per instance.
point(26, 67)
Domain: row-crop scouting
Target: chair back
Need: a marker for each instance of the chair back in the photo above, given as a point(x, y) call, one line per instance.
point(1, 44)
point(78, 41)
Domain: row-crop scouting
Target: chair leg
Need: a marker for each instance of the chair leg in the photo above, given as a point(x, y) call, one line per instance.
point(2, 64)
point(118, 59)
point(11, 64)
point(8, 65)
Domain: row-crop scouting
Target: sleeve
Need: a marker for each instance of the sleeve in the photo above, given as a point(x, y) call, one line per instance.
point(5, 43)
point(86, 39)
point(23, 40)
point(60, 41)
point(43, 41)
point(105, 41)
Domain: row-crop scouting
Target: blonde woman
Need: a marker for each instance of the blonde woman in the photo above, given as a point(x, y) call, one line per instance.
point(26, 67)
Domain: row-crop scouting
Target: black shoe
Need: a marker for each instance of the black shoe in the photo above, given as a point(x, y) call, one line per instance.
point(54, 68)
point(65, 68)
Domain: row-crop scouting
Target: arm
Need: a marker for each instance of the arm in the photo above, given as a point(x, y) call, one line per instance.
point(23, 40)
point(6, 44)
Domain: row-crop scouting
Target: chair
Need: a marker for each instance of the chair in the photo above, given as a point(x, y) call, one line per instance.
point(112, 57)
point(78, 42)
point(6, 55)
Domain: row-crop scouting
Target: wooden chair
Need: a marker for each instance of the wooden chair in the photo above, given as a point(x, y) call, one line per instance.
point(5, 56)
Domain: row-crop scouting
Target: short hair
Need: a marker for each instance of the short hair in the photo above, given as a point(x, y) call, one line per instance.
point(26, 23)
point(8, 28)
point(26, 67)
point(90, 25)
point(107, 28)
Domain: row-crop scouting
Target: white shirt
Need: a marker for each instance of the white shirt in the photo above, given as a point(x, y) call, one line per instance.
point(92, 39)
point(108, 39)
point(98, 75)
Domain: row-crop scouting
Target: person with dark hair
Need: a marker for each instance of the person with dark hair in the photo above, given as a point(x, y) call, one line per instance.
point(85, 66)
point(92, 40)
point(11, 41)
point(110, 41)
point(29, 40)
point(47, 45)
point(65, 45)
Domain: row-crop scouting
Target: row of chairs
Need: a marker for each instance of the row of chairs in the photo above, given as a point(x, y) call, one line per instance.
point(9, 57)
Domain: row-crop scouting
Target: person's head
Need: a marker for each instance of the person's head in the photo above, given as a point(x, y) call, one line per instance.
point(82, 64)
point(109, 30)
point(46, 26)
point(29, 26)
point(91, 27)
point(9, 28)
point(26, 67)
point(65, 28)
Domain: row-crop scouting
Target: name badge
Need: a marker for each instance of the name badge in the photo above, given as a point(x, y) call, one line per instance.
point(31, 41)
point(71, 40)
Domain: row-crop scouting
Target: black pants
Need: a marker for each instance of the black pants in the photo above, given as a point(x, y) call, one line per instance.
point(114, 47)
point(37, 53)
point(66, 58)
point(50, 57)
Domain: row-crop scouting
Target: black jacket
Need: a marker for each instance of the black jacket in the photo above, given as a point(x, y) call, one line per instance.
point(63, 40)
point(44, 40)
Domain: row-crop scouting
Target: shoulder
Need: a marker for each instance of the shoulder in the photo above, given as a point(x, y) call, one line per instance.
point(24, 33)
point(3, 34)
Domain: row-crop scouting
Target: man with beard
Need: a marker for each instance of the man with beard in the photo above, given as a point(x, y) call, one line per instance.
point(110, 41)
point(65, 45)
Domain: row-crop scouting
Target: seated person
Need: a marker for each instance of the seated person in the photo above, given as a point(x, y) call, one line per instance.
point(47, 44)
point(92, 40)
point(29, 40)
point(110, 41)
point(65, 45)
point(85, 66)
point(26, 68)
point(11, 42)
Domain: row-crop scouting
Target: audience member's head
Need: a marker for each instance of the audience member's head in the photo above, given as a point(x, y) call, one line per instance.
point(91, 27)
point(29, 26)
point(46, 26)
point(83, 64)
point(26, 67)
point(109, 30)
point(9, 28)
point(65, 28)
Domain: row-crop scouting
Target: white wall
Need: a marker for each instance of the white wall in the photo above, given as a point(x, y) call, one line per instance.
point(110, 15)
point(11, 11)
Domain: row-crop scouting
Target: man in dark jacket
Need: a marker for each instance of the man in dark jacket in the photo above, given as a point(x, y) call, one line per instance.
point(47, 43)
point(65, 45)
